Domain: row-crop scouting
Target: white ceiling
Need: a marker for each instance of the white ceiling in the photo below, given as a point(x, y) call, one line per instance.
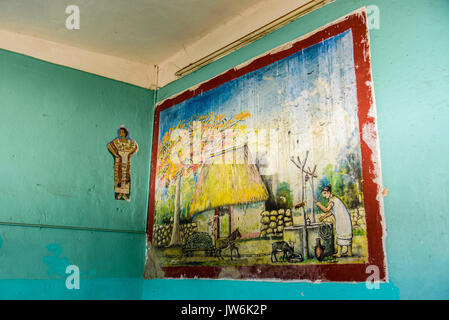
point(140, 33)
point(145, 31)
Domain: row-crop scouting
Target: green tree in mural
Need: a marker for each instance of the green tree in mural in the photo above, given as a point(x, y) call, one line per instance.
point(187, 188)
point(354, 172)
point(345, 179)
point(165, 206)
point(284, 196)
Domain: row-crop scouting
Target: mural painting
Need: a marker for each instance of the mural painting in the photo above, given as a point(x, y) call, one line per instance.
point(265, 172)
point(122, 148)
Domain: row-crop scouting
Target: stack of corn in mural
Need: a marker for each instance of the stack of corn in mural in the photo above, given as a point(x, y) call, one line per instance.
point(272, 223)
point(162, 233)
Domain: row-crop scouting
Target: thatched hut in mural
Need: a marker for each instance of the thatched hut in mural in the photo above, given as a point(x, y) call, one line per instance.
point(228, 184)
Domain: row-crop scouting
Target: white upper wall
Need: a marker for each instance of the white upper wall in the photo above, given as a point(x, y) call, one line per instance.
point(125, 40)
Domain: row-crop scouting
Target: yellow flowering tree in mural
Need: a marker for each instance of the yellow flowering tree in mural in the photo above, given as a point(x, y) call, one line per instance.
point(184, 148)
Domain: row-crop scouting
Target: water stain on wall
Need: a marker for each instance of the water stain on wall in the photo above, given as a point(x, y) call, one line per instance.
point(57, 265)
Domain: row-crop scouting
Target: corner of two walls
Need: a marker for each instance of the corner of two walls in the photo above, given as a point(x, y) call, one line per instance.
point(55, 168)
point(57, 192)
point(411, 87)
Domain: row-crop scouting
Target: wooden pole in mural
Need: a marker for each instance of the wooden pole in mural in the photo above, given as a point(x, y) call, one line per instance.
point(217, 225)
point(304, 177)
point(312, 175)
point(301, 166)
point(303, 182)
point(176, 238)
point(305, 234)
point(308, 175)
point(230, 220)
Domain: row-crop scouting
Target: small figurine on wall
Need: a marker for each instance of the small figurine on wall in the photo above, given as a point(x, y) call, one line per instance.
point(122, 148)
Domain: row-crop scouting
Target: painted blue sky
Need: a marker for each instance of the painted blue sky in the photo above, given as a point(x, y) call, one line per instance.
point(305, 103)
point(265, 92)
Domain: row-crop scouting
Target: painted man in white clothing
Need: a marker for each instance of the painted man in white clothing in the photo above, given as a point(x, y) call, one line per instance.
point(343, 225)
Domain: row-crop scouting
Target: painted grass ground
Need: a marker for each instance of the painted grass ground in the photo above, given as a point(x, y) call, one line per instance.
point(253, 252)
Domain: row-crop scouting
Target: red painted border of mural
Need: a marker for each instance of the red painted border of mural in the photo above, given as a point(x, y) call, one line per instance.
point(337, 272)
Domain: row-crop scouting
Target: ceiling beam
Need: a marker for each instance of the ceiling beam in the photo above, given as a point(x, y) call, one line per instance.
point(252, 36)
point(252, 24)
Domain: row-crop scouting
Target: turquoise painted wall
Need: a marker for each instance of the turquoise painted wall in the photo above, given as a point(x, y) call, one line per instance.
point(56, 124)
point(33, 263)
point(411, 79)
point(55, 169)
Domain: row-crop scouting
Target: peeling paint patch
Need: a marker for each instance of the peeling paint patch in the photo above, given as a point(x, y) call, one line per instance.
point(57, 265)
point(229, 273)
point(152, 266)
